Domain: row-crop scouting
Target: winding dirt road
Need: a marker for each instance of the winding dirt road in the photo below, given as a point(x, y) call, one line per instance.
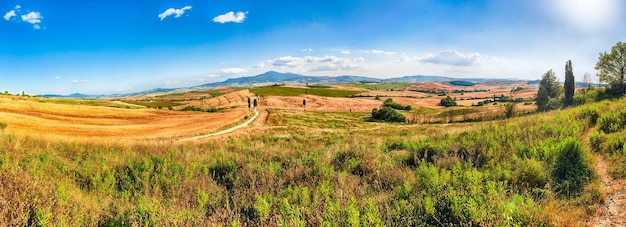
point(229, 130)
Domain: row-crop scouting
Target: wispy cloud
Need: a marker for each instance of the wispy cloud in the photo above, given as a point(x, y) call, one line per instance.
point(388, 53)
point(345, 52)
point(312, 63)
point(451, 57)
point(57, 77)
point(231, 71)
point(9, 14)
point(231, 16)
point(79, 81)
point(176, 12)
point(307, 50)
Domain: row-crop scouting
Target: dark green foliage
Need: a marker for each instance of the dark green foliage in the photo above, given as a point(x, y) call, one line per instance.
point(448, 101)
point(193, 108)
point(389, 103)
point(612, 67)
point(569, 85)
point(509, 109)
point(549, 91)
point(572, 171)
point(387, 114)
point(462, 83)
point(610, 123)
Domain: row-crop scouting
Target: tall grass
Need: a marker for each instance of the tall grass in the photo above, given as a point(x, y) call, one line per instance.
point(499, 173)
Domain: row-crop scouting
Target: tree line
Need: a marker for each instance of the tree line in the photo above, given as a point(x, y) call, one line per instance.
point(611, 68)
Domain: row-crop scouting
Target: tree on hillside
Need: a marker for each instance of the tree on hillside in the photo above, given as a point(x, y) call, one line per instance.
point(304, 103)
point(448, 101)
point(586, 82)
point(255, 102)
point(549, 91)
point(612, 67)
point(249, 103)
point(569, 84)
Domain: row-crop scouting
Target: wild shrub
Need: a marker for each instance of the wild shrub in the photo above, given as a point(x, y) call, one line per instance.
point(610, 123)
point(448, 101)
point(596, 139)
point(530, 173)
point(389, 103)
point(387, 114)
point(572, 171)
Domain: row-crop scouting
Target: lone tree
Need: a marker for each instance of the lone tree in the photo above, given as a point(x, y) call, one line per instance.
point(549, 91)
point(304, 103)
point(569, 84)
point(255, 102)
point(249, 103)
point(612, 67)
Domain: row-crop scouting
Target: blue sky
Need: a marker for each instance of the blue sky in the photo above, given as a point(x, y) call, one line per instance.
point(104, 47)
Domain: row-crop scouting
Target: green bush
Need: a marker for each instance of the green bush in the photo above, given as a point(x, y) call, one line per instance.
point(387, 114)
point(610, 123)
point(572, 171)
point(448, 101)
point(391, 104)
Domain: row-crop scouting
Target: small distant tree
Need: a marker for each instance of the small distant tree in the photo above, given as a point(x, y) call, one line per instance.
point(6, 92)
point(509, 110)
point(448, 101)
point(569, 84)
point(255, 103)
point(304, 103)
point(249, 103)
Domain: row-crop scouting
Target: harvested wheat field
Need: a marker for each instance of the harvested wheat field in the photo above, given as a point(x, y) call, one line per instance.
point(233, 99)
point(92, 122)
point(322, 104)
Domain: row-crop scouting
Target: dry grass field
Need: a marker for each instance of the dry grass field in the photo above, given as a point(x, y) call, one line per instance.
point(94, 122)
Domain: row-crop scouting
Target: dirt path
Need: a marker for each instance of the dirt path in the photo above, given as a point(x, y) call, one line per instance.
point(611, 212)
point(229, 130)
point(260, 121)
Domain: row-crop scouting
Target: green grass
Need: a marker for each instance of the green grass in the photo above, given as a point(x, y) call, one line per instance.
point(294, 91)
point(311, 168)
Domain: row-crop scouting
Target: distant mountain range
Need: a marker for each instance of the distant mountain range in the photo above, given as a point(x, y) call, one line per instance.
point(272, 77)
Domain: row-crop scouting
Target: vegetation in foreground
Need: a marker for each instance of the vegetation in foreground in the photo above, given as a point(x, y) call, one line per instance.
point(500, 173)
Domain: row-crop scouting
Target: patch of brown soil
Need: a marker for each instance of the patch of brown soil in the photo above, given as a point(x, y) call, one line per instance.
point(612, 211)
point(323, 104)
point(234, 99)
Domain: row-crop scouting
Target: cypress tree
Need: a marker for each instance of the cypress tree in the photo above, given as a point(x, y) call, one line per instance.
point(569, 84)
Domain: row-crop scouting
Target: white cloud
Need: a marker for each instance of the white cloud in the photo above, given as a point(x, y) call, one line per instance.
point(231, 16)
point(57, 77)
point(9, 14)
point(307, 50)
point(344, 52)
point(176, 12)
point(451, 57)
point(231, 71)
point(312, 63)
point(79, 81)
point(32, 17)
point(36, 27)
point(379, 52)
